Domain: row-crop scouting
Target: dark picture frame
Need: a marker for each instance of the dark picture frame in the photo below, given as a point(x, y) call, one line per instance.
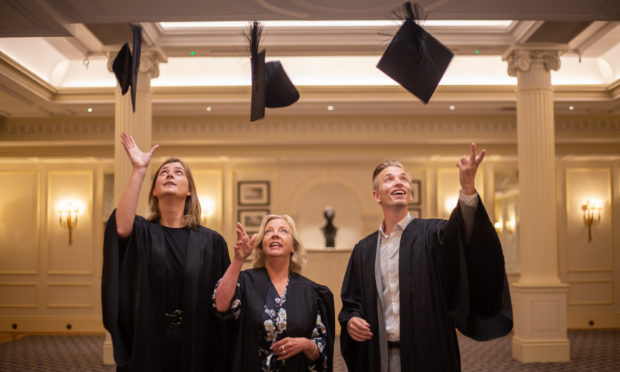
point(250, 193)
point(416, 192)
point(251, 219)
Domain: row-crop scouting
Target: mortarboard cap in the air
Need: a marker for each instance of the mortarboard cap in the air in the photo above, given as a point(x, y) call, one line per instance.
point(122, 68)
point(415, 59)
point(126, 65)
point(271, 86)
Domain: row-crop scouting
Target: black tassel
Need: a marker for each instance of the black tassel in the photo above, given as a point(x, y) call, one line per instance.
point(410, 11)
point(254, 36)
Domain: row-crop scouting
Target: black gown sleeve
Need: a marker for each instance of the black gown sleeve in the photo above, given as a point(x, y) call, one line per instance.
point(351, 292)
point(117, 287)
point(352, 306)
point(222, 343)
point(476, 286)
point(326, 310)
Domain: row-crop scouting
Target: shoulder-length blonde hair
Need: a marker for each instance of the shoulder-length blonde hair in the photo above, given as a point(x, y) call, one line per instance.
point(191, 212)
point(297, 259)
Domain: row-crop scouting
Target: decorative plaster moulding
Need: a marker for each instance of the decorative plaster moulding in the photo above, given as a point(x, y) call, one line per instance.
point(225, 130)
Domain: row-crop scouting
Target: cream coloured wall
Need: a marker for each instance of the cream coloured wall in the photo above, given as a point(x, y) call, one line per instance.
point(591, 268)
point(47, 284)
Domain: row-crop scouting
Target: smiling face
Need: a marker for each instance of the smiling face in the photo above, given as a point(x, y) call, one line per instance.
point(392, 187)
point(171, 180)
point(278, 239)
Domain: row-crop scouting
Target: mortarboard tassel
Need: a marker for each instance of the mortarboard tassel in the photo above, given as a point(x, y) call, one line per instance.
point(254, 36)
point(413, 12)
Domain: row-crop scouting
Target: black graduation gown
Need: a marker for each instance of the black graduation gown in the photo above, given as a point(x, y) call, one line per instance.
point(444, 285)
point(132, 291)
point(304, 299)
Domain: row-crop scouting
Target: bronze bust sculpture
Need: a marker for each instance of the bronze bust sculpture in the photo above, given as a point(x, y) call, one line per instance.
point(329, 230)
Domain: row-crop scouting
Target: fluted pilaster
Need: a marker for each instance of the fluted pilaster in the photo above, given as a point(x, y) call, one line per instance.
point(536, 144)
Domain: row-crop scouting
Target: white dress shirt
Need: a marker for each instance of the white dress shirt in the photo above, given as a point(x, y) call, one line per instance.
point(390, 246)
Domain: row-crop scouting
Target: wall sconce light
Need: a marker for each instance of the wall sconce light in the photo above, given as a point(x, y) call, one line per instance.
point(499, 227)
point(511, 225)
point(508, 226)
point(207, 207)
point(591, 215)
point(68, 212)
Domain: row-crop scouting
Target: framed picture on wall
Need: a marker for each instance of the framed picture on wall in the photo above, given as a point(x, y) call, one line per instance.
point(253, 192)
point(416, 192)
point(416, 212)
point(251, 219)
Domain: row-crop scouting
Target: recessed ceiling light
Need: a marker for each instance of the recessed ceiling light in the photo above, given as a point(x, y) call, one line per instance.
point(209, 108)
point(90, 109)
point(452, 108)
point(330, 108)
point(571, 108)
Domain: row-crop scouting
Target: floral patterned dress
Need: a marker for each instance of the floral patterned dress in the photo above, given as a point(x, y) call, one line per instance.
point(274, 329)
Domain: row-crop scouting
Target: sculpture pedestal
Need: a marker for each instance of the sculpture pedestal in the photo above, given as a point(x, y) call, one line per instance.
point(327, 266)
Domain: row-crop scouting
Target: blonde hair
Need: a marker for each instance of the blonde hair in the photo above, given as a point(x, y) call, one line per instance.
point(191, 212)
point(297, 259)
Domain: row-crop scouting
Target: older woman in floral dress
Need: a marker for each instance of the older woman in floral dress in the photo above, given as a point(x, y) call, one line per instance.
point(282, 320)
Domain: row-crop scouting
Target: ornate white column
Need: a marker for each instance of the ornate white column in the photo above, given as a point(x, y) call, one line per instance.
point(539, 298)
point(139, 125)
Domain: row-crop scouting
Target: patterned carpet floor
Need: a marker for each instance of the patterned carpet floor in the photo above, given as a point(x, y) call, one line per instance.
point(590, 351)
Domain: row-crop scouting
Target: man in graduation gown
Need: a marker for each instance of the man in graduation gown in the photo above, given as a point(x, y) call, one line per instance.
point(133, 281)
point(410, 284)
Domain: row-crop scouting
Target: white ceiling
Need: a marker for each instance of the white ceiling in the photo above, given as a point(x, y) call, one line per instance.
point(43, 44)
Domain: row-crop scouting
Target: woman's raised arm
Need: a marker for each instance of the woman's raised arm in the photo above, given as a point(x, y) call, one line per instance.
point(128, 203)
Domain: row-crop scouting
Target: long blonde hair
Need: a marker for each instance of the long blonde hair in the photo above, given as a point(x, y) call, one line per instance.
point(297, 259)
point(191, 212)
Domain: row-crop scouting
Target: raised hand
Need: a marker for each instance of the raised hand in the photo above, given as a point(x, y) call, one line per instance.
point(138, 158)
point(468, 168)
point(244, 245)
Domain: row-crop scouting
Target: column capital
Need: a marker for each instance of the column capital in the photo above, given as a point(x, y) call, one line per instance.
point(149, 62)
point(522, 59)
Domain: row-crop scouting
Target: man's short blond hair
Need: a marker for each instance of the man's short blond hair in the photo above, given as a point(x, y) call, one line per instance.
point(379, 168)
